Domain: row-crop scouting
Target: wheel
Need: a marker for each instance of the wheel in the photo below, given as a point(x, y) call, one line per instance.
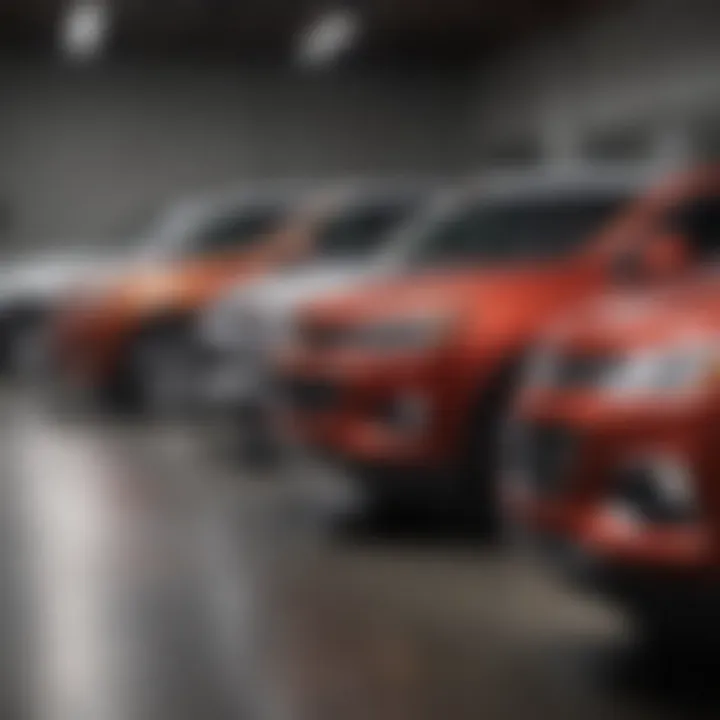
point(478, 496)
point(158, 377)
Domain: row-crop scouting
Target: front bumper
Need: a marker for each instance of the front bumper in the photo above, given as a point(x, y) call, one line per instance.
point(596, 533)
point(687, 585)
point(563, 505)
point(400, 413)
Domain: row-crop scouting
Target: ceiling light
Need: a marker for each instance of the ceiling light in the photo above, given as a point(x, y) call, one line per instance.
point(328, 37)
point(84, 29)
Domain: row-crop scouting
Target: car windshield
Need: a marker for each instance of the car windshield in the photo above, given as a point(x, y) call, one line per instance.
point(233, 230)
point(359, 231)
point(187, 232)
point(489, 231)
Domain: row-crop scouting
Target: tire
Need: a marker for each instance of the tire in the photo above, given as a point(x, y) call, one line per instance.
point(156, 379)
point(478, 497)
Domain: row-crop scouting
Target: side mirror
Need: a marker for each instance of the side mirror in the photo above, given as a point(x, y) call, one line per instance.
point(660, 258)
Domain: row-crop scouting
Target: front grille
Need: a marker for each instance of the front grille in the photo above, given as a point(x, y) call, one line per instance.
point(309, 395)
point(641, 488)
point(544, 454)
point(582, 370)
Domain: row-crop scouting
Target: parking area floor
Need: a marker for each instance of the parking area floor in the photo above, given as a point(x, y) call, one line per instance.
point(141, 580)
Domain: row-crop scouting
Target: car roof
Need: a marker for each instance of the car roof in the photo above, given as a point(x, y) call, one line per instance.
point(563, 181)
point(296, 193)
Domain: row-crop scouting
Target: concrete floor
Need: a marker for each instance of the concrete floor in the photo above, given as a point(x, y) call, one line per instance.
point(143, 580)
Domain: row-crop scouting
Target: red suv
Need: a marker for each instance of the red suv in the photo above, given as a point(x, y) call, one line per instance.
point(613, 450)
point(406, 381)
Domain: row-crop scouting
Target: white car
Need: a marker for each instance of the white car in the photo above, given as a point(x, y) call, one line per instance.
point(239, 334)
point(31, 286)
point(146, 311)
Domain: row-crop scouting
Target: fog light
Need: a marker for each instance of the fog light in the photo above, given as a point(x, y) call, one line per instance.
point(655, 491)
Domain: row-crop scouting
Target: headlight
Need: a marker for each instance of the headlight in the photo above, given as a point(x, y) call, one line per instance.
point(655, 371)
point(402, 334)
point(665, 371)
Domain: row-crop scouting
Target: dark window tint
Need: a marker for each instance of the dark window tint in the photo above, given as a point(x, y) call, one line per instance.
point(360, 230)
point(698, 223)
point(235, 230)
point(513, 230)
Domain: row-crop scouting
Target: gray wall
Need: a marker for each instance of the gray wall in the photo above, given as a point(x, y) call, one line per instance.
point(83, 148)
point(651, 64)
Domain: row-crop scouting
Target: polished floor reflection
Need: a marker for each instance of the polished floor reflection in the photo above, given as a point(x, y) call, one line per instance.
point(144, 580)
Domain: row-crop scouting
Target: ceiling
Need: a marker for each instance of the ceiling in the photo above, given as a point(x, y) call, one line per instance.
point(393, 30)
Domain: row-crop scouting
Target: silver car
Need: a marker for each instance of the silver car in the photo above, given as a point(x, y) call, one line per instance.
point(241, 331)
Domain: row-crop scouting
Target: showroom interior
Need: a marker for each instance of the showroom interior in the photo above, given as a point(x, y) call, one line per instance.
point(146, 570)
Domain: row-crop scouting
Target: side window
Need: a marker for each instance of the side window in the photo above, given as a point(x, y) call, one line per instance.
point(698, 222)
point(234, 231)
point(361, 230)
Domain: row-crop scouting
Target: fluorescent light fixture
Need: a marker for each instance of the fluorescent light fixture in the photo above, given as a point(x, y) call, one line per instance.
point(84, 29)
point(331, 35)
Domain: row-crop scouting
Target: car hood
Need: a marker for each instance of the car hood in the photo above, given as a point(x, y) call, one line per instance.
point(47, 278)
point(272, 300)
point(683, 312)
point(282, 292)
